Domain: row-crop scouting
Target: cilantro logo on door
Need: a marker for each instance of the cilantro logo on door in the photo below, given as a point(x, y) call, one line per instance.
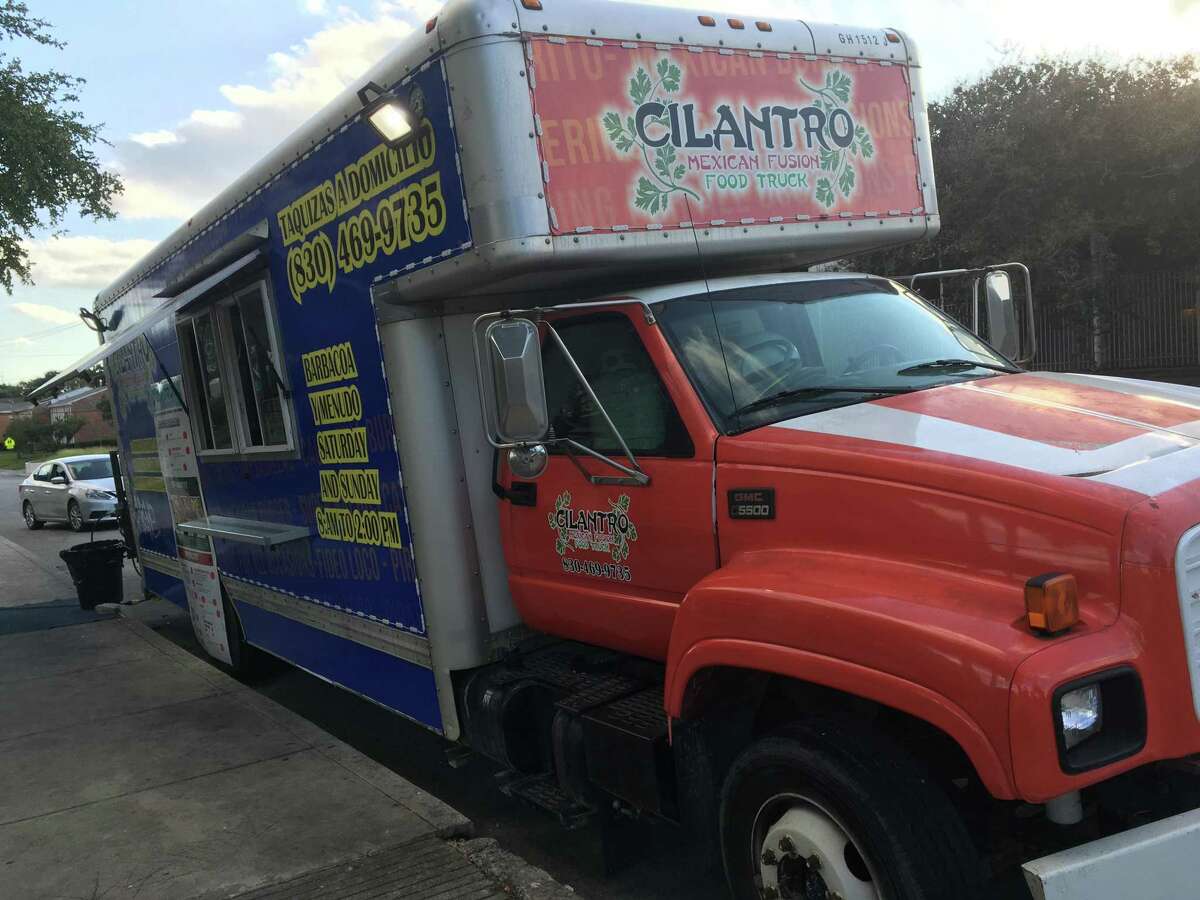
point(609, 531)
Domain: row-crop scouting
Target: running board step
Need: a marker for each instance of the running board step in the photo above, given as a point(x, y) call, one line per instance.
point(543, 791)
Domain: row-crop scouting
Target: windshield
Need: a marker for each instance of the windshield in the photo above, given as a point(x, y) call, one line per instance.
point(759, 355)
point(90, 469)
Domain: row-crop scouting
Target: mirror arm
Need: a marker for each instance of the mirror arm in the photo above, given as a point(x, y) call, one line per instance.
point(592, 394)
point(1031, 327)
point(633, 478)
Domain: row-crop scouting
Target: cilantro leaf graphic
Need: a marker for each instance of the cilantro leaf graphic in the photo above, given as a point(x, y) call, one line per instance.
point(640, 87)
point(664, 172)
point(620, 138)
point(862, 140)
point(669, 74)
point(846, 181)
point(830, 159)
point(648, 196)
point(664, 159)
point(839, 84)
point(824, 193)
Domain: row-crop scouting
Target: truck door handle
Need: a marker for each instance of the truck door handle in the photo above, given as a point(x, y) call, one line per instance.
point(522, 493)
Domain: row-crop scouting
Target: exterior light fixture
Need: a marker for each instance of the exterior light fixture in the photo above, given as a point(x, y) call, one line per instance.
point(395, 120)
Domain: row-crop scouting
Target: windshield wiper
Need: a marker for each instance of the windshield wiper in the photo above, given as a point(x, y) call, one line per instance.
point(935, 365)
point(816, 390)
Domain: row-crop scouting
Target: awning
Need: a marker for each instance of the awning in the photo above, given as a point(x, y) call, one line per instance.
point(169, 307)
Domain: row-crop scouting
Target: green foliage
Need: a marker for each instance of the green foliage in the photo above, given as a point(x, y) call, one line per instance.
point(46, 160)
point(104, 407)
point(1079, 168)
point(833, 159)
point(664, 173)
point(31, 436)
point(824, 193)
point(839, 83)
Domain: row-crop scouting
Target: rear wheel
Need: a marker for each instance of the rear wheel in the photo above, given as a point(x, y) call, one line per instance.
point(75, 516)
point(823, 811)
point(32, 522)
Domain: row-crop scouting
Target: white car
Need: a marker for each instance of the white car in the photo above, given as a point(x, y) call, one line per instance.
point(78, 490)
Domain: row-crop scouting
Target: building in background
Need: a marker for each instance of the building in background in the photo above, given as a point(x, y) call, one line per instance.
point(92, 405)
point(13, 408)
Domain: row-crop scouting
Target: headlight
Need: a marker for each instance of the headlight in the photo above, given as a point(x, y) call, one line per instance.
point(93, 494)
point(1082, 714)
point(1099, 719)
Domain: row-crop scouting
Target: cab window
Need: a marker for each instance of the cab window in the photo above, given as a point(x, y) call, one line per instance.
point(611, 356)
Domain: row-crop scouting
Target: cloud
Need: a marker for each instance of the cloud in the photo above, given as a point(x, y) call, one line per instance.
point(173, 172)
point(44, 313)
point(217, 118)
point(83, 262)
point(154, 138)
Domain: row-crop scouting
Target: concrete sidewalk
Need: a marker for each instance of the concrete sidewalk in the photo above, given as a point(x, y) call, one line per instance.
point(130, 768)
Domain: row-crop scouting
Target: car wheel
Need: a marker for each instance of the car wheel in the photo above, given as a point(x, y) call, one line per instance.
point(822, 810)
point(75, 516)
point(31, 520)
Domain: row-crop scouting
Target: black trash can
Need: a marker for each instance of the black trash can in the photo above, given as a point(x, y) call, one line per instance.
point(95, 568)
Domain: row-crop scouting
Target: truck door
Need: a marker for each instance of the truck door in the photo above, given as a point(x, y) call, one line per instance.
point(606, 562)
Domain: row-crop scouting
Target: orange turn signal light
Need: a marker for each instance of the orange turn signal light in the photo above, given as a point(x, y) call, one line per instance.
point(763, 26)
point(535, 5)
point(1052, 602)
point(737, 23)
point(430, 25)
point(707, 21)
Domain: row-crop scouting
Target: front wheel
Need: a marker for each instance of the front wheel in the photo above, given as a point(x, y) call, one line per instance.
point(75, 516)
point(31, 520)
point(823, 811)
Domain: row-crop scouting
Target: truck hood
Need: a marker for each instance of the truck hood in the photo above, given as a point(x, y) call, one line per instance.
point(1140, 435)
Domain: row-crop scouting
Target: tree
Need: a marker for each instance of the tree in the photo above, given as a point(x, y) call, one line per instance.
point(47, 166)
point(1077, 168)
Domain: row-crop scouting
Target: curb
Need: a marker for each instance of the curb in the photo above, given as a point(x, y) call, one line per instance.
point(526, 881)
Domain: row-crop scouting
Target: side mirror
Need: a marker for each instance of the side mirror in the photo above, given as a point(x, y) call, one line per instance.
point(1000, 312)
point(517, 412)
point(59, 479)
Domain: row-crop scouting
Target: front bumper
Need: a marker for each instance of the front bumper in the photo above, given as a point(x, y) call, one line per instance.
point(96, 510)
point(1151, 862)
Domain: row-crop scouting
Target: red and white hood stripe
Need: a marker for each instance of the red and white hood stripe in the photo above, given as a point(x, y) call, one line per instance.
point(1139, 435)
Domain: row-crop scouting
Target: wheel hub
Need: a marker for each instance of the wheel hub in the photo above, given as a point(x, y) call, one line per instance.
point(806, 855)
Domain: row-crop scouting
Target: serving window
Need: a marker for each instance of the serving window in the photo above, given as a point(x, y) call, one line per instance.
point(239, 402)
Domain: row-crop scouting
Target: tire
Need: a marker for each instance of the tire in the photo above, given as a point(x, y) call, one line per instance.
point(821, 786)
point(246, 662)
point(32, 522)
point(75, 517)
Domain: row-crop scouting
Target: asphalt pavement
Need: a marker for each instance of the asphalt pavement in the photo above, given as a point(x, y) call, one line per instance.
point(635, 860)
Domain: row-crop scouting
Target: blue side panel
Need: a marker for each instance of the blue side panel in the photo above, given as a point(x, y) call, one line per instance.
point(393, 682)
point(345, 215)
point(138, 375)
point(165, 586)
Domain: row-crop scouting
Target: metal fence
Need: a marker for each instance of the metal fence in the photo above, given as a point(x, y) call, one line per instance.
point(1144, 321)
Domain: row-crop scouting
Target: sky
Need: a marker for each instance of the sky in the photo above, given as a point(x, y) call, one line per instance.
point(192, 94)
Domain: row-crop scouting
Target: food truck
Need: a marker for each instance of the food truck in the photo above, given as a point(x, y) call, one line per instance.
point(502, 394)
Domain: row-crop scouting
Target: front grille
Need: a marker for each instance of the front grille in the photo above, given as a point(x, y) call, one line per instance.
point(1187, 578)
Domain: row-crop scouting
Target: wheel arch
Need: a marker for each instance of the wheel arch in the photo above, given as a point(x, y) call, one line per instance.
point(702, 674)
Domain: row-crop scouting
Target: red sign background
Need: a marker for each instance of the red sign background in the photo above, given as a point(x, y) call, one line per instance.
point(601, 175)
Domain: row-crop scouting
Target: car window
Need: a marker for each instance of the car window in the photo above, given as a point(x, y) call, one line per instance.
point(43, 474)
point(57, 472)
point(90, 469)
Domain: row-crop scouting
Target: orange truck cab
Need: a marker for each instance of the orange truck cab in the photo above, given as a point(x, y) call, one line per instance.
point(503, 394)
